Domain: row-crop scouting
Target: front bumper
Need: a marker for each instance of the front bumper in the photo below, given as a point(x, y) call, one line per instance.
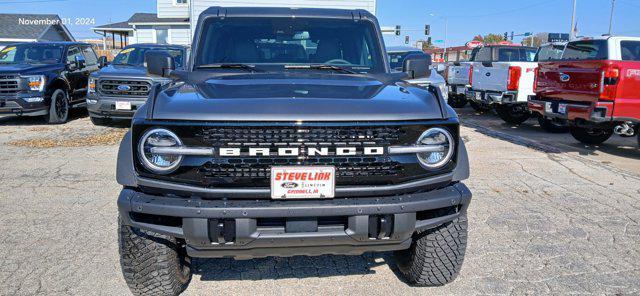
point(105, 107)
point(17, 105)
point(259, 228)
point(492, 97)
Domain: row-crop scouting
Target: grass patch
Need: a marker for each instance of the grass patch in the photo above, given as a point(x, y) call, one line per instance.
point(111, 137)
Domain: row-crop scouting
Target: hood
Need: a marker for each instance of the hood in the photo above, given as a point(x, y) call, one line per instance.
point(288, 97)
point(122, 70)
point(26, 69)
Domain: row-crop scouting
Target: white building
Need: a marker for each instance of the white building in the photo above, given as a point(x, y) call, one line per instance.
point(176, 20)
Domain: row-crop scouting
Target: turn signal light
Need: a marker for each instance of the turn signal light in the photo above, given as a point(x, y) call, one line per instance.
point(471, 75)
point(536, 72)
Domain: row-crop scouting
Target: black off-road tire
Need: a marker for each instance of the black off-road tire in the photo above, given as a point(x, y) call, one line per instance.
point(59, 107)
point(551, 127)
point(512, 114)
point(98, 121)
point(591, 136)
point(153, 264)
point(436, 255)
point(457, 101)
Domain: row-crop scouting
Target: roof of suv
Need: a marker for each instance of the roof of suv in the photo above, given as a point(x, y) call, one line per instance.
point(287, 12)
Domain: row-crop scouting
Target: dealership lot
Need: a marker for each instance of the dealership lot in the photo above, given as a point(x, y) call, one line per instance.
point(545, 219)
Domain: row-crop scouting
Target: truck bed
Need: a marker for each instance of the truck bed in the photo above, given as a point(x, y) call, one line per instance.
point(494, 77)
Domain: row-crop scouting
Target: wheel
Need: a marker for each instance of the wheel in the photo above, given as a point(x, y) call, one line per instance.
point(549, 126)
point(436, 255)
point(100, 121)
point(590, 136)
point(457, 101)
point(153, 264)
point(59, 109)
point(477, 107)
point(512, 114)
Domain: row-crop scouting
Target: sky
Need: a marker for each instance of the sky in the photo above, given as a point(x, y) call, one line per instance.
point(465, 18)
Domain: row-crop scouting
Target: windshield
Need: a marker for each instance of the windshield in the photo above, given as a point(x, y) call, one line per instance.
point(134, 56)
point(516, 54)
point(586, 50)
point(550, 53)
point(31, 54)
point(396, 59)
point(286, 41)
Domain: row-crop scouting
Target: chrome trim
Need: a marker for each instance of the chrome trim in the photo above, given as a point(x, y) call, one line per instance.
point(265, 192)
point(183, 151)
point(415, 149)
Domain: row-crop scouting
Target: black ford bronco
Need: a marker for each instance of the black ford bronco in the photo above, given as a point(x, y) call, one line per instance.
point(45, 79)
point(289, 135)
point(120, 88)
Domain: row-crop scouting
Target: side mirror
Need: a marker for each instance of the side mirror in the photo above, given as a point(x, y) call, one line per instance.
point(80, 62)
point(159, 63)
point(417, 65)
point(102, 62)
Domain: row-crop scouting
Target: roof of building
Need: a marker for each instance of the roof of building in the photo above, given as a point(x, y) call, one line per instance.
point(121, 26)
point(28, 26)
point(140, 17)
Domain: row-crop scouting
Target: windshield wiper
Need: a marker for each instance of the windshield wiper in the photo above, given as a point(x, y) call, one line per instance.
point(320, 67)
point(251, 68)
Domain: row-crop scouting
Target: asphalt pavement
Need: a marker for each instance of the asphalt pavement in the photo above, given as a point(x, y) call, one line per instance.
point(549, 216)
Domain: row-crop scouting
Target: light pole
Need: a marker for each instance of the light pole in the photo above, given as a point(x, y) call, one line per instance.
point(613, 6)
point(572, 33)
point(446, 31)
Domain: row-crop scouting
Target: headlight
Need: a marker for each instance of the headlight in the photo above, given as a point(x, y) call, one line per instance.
point(159, 163)
point(36, 82)
point(440, 138)
point(92, 85)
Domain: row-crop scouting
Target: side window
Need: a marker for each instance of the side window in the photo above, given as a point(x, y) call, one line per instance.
point(90, 55)
point(72, 53)
point(630, 50)
point(483, 55)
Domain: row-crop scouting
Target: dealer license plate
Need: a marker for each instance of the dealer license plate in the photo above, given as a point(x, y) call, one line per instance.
point(562, 108)
point(478, 96)
point(123, 105)
point(300, 182)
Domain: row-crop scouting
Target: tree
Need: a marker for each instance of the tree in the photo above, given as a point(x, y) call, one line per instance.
point(489, 38)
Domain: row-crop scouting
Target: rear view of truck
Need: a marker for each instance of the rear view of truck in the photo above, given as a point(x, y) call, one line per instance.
point(502, 78)
point(457, 76)
point(593, 89)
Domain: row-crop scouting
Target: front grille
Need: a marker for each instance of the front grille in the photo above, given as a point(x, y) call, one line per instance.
point(245, 171)
point(137, 88)
point(222, 137)
point(9, 84)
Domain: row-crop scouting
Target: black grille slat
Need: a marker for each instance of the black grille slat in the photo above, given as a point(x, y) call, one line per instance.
point(9, 84)
point(139, 88)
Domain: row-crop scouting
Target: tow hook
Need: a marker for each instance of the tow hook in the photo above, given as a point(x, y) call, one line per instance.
point(626, 129)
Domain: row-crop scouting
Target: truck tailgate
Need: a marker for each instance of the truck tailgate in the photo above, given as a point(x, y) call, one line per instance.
point(458, 75)
point(490, 76)
point(570, 80)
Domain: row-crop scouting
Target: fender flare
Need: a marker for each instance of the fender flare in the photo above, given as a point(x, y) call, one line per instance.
point(125, 172)
point(461, 172)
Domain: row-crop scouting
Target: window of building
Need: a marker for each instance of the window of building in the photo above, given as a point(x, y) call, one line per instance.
point(162, 35)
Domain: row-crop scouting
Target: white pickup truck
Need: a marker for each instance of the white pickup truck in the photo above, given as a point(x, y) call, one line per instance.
point(502, 77)
point(457, 76)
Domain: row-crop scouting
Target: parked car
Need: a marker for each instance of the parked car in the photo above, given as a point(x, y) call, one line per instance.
point(546, 53)
point(397, 56)
point(457, 77)
point(593, 89)
point(280, 142)
point(502, 78)
point(45, 79)
point(119, 89)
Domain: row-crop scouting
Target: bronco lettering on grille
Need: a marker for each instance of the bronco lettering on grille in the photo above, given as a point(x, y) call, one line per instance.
point(296, 152)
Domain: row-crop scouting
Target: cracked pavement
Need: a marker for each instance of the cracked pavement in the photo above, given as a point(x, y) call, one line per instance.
point(543, 221)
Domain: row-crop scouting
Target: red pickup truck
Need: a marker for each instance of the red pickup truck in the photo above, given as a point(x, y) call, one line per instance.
point(594, 89)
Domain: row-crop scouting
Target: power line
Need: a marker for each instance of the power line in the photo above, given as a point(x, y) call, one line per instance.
point(504, 11)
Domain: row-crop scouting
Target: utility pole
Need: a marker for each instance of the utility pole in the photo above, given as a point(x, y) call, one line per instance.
point(446, 25)
point(613, 6)
point(572, 33)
